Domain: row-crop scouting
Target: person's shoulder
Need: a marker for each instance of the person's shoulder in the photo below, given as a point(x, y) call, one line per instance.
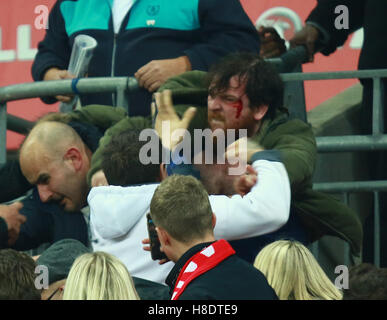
point(283, 125)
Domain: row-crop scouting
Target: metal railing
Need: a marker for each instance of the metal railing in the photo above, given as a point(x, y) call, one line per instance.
point(123, 85)
point(120, 85)
point(353, 143)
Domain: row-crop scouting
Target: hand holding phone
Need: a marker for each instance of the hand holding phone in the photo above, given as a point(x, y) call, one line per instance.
point(156, 254)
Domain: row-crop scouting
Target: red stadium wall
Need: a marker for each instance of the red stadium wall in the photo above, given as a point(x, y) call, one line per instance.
point(21, 30)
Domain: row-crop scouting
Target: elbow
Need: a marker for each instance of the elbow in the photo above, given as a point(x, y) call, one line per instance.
point(282, 208)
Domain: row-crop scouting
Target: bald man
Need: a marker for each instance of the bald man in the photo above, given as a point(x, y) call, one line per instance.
point(56, 160)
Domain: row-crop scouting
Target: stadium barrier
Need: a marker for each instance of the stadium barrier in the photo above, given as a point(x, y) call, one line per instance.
point(294, 100)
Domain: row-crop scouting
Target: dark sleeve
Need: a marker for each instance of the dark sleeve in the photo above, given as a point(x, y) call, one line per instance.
point(225, 28)
point(3, 234)
point(39, 226)
point(296, 144)
point(13, 184)
point(323, 16)
point(54, 50)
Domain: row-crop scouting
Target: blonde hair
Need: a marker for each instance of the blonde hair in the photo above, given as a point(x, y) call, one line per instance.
point(99, 276)
point(294, 273)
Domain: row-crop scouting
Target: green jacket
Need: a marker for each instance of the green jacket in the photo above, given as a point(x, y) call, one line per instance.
point(321, 214)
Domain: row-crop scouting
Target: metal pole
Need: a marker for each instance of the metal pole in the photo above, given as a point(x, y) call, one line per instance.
point(19, 125)
point(351, 186)
point(3, 133)
point(376, 230)
point(122, 97)
point(347, 251)
point(351, 143)
point(377, 107)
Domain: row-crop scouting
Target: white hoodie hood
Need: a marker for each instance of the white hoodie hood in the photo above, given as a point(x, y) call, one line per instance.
point(115, 211)
point(118, 224)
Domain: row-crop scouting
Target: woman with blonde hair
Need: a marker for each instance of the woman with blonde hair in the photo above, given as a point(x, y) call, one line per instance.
point(99, 276)
point(294, 273)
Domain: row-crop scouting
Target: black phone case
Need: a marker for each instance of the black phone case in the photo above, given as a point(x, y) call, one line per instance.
point(156, 254)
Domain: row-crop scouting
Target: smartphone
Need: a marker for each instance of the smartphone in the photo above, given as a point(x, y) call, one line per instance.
point(156, 254)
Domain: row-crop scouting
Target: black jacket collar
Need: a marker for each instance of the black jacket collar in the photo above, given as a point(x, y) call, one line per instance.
point(174, 273)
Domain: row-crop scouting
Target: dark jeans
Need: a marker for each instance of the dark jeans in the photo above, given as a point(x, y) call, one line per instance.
point(48, 223)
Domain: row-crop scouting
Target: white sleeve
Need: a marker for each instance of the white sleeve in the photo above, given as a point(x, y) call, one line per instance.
point(263, 210)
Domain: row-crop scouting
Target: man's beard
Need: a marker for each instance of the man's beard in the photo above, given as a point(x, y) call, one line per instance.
point(216, 120)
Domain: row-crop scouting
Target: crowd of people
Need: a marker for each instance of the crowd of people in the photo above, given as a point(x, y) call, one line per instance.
point(112, 190)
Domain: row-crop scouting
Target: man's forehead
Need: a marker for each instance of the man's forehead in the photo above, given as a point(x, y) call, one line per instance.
point(235, 86)
point(35, 165)
point(237, 82)
point(32, 169)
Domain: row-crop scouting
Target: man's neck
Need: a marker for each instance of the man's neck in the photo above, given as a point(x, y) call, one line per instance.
point(181, 247)
point(255, 129)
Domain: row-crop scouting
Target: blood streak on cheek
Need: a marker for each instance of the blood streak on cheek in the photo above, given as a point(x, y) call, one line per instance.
point(238, 106)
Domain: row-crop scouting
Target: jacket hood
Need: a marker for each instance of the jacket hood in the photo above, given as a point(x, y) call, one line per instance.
point(115, 210)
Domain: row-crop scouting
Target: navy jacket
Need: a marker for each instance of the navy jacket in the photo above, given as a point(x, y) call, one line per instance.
point(369, 14)
point(203, 30)
point(231, 279)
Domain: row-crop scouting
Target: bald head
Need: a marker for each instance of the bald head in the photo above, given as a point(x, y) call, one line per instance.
point(54, 157)
point(53, 138)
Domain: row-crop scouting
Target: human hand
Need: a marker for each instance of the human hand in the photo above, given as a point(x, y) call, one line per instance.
point(168, 125)
point(244, 183)
point(99, 179)
point(11, 215)
point(152, 75)
point(242, 150)
point(146, 247)
point(272, 45)
point(57, 74)
point(308, 37)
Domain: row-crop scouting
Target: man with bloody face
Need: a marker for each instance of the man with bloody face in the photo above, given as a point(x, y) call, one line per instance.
point(245, 92)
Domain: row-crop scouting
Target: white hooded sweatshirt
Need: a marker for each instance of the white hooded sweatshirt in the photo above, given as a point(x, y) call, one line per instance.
point(118, 216)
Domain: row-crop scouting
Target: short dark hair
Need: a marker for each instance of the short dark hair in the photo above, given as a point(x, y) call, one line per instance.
point(121, 160)
point(17, 276)
point(366, 282)
point(264, 85)
point(180, 205)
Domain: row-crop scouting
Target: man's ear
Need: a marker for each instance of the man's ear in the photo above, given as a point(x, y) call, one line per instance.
point(163, 237)
point(163, 171)
point(213, 220)
point(74, 156)
point(259, 112)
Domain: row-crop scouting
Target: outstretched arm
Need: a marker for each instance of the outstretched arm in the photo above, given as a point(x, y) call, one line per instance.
point(263, 210)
